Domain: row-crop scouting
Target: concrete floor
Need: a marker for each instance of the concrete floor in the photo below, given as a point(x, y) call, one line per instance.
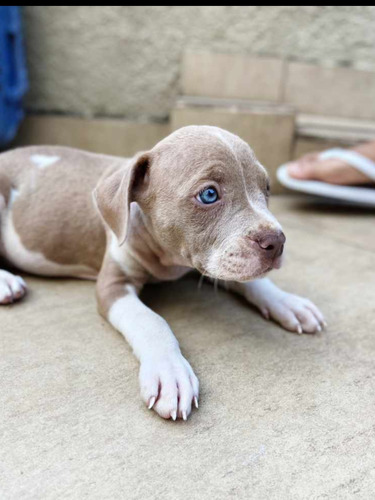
point(281, 416)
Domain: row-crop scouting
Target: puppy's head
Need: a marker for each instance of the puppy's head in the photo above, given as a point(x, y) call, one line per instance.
point(204, 197)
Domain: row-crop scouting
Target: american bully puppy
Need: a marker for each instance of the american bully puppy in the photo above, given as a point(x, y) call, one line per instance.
point(198, 200)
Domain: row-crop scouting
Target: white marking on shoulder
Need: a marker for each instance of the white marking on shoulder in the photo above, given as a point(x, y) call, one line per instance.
point(121, 256)
point(12, 197)
point(43, 161)
point(114, 249)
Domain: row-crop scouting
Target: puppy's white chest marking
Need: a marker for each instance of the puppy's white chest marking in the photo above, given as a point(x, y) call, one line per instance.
point(12, 197)
point(43, 161)
point(121, 257)
point(115, 249)
point(158, 271)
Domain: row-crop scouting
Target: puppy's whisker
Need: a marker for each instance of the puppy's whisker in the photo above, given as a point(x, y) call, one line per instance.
point(200, 282)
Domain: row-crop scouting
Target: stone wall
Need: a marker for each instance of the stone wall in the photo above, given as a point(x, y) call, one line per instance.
point(121, 61)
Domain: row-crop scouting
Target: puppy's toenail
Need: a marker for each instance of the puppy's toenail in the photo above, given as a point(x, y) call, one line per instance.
point(152, 402)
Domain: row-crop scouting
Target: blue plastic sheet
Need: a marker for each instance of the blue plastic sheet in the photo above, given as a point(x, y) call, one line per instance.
point(13, 75)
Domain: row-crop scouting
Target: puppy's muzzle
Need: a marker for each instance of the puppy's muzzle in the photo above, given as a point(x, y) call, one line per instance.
point(271, 244)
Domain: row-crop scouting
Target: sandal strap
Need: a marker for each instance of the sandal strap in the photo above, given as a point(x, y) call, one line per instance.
point(354, 159)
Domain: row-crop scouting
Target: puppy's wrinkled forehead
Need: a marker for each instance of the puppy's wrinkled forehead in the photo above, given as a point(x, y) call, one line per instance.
point(195, 147)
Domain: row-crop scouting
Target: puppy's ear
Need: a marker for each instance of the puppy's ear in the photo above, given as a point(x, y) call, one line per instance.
point(114, 193)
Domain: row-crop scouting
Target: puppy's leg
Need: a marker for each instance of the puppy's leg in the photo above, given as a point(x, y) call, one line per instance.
point(167, 381)
point(294, 313)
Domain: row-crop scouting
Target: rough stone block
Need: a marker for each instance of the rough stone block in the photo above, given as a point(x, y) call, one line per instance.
point(231, 76)
point(330, 91)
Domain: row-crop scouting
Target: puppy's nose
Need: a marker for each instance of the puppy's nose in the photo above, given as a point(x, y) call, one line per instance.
point(271, 243)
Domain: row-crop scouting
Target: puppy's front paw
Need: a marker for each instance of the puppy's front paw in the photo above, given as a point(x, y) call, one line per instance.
point(294, 313)
point(169, 385)
point(12, 287)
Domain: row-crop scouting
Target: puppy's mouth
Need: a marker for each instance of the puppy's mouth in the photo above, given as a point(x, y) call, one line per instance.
point(277, 262)
point(243, 269)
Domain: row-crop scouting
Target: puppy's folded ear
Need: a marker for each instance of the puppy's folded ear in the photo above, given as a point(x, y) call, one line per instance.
point(115, 191)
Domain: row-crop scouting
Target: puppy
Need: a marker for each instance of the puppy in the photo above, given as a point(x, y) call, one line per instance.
point(198, 199)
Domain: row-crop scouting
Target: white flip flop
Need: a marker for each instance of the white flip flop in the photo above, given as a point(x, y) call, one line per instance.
point(358, 195)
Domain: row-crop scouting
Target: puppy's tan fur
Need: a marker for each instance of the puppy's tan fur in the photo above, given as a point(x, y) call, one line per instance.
point(148, 224)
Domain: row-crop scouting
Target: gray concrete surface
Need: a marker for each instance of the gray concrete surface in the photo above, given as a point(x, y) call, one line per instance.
point(125, 60)
point(281, 415)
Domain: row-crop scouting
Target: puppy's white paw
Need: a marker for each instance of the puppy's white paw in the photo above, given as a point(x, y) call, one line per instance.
point(294, 313)
point(169, 385)
point(12, 287)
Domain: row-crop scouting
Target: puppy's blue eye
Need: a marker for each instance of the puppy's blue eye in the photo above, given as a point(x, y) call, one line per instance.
point(208, 195)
